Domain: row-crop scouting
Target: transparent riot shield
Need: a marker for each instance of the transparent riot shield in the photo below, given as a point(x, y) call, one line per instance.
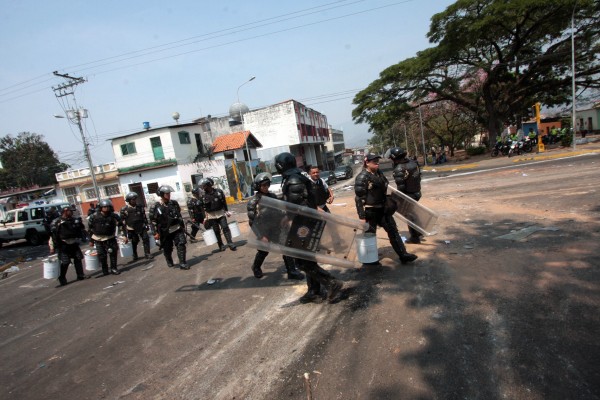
point(303, 232)
point(410, 211)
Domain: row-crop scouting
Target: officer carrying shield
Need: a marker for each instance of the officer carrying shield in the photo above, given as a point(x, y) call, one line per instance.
point(196, 211)
point(66, 234)
point(103, 225)
point(216, 211)
point(407, 176)
point(136, 225)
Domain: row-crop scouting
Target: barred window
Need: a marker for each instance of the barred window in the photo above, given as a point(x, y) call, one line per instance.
point(184, 137)
point(71, 191)
point(90, 194)
point(112, 190)
point(152, 187)
point(128, 148)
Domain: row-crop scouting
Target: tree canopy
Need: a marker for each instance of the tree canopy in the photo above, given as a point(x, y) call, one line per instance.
point(27, 160)
point(492, 58)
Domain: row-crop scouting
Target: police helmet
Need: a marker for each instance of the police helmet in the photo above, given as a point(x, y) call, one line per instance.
point(206, 182)
point(164, 189)
point(260, 179)
point(284, 162)
point(196, 191)
point(397, 153)
point(105, 203)
point(130, 196)
point(65, 208)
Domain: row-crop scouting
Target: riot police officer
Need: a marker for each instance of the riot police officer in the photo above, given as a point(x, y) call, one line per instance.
point(103, 226)
point(66, 234)
point(166, 217)
point(296, 189)
point(196, 211)
point(370, 187)
point(135, 225)
point(216, 211)
point(261, 185)
point(407, 176)
point(49, 217)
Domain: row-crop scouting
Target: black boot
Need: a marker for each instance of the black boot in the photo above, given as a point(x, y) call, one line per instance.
point(314, 289)
point(229, 240)
point(114, 271)
point(292, 271)
point(398, 246)
point(258, 261)
point(169, 259)
point(62, 278)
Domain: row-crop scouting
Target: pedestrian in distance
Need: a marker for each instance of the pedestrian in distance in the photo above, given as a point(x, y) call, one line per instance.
point(407, 176)
point(196, 211)
point(67, 233)
point(215, 208)
point(320, 190)
point(296, 189)
point(169, 228)
point(103, 227)
point(370, 188)
point(135, 225)
point(261, 185)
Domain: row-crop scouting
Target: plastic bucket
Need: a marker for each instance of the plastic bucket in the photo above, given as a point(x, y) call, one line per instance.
point(234, 228)
point(152, 243)
point(91, 260)
point(51, 268)
point(126, 250)
point(209, 237)
point(366, 248)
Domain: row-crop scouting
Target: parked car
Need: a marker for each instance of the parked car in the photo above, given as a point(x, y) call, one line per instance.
point(26, 223)
point(328, 177)
point(344, 172)
point(275, 187)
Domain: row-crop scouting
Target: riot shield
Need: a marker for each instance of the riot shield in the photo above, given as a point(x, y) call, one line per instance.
point(303, 232)
point(410, 211)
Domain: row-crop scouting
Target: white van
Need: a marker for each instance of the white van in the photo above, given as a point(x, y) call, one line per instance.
point(26, 223)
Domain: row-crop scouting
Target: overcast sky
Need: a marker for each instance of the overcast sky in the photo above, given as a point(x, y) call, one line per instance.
point(144, 60)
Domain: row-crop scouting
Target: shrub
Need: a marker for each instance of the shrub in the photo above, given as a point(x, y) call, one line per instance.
point(475, 151)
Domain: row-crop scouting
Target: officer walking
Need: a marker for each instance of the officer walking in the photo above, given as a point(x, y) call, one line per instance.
point(103, 225)
point(196, 211)
point(216, 211)
point(407, 176)
point(166, 217)
point(296, 189)
point(370, 187)
point(136, 225)
point(66, 234)
point(50, 216)
point(261, 185)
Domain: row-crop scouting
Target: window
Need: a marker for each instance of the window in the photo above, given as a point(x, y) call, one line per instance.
point(112, 190)
point(184, 137)
point(128, 148)
point(152, 187)
point(23, 216)
point(72, 191)
point(37, 213)
point(90, 194)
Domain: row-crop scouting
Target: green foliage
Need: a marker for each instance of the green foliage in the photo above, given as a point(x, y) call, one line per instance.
point(493, 59)
point(566, 140)
point(27, 160)
point(475, 151)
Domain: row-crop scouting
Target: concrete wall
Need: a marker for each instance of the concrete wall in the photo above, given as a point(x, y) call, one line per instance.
point(162, 176)
point(214, 169)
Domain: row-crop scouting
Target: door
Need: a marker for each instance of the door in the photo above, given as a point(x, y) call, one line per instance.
point(137, 188)
point(157, 148)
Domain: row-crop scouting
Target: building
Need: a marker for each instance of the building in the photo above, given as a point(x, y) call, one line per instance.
point(588, 119)
point(335, 148)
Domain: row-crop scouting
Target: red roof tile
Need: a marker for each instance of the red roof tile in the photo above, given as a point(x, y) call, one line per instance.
point(234, 141)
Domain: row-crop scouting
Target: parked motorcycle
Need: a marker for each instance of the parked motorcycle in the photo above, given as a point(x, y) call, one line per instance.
point(500, 148)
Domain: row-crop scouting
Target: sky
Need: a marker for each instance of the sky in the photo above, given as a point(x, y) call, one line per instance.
point(145, 60)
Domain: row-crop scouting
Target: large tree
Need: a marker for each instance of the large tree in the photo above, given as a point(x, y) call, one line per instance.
point(494, 58)
point(27, 160)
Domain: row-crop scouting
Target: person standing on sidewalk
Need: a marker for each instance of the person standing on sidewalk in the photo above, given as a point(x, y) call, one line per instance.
point(66, 234)
point(216, 211)
point(261, 185)
point(196, 211)
point(296, 189)
point(370, 187)
point(166, 217)
point(135, 225)
point(103, 226)
point(407, 176)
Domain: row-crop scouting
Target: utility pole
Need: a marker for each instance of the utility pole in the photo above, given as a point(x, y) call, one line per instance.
point(422, 136)
point(75, 116)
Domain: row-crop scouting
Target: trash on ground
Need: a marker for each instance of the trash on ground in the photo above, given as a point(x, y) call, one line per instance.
point(404, 239)
point(148, 267)
point(14, 268)
point(114, 284)
point(523, 233)
point(212, 281)
point(447, 241)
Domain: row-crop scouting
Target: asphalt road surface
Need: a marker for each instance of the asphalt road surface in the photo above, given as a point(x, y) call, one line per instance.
point(502, 303)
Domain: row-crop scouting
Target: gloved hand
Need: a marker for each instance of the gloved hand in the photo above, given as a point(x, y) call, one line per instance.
point(156, 236)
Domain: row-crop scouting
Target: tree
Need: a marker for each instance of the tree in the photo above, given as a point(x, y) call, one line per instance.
point(492, 58)
point(27, 161)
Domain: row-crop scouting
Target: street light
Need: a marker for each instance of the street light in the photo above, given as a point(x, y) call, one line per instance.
point(244, 126)
point(74, 117)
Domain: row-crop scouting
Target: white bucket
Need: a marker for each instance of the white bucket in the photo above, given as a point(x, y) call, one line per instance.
point(91, 260)
point(152, 243)
point(209, 237)
point(366, 248)
point(126, 249)
point(51, 268)
point(234, 228)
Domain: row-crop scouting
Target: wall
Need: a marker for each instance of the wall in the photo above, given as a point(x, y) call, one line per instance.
point(144, 153)
point(214, 169)
point(162, 176)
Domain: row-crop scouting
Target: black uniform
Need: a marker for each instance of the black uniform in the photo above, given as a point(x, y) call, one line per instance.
point(196, 211)
point(253, 211)
point(104, 227)
point(66, 236)
point(296, 189)
point(214, 202)
point(49, 217)
point(407, 176)
point(136, 226)
point(168, 222)
point(370, 189)
point(320, 193)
